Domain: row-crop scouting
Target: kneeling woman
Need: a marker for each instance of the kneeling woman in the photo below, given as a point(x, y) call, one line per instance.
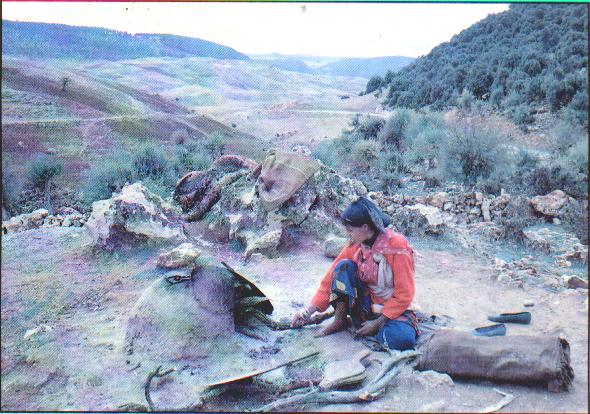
point(372, 280)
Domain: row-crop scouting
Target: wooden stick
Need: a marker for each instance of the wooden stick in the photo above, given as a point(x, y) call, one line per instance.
point(370, 392)
point(500, 404)
point(148, 383)
point(262, 371)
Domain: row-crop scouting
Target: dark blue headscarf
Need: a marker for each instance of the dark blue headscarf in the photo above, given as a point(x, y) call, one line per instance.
point(364, 211)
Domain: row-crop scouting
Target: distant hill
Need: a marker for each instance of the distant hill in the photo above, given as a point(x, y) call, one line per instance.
point(336, 66)
point(44, 40)
point(365, 67)
point(531, 56)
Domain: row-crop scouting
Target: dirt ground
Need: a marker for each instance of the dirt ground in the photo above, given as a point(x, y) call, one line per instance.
point(80, 301)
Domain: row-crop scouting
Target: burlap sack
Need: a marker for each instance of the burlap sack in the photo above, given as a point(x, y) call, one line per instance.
point(283, 173)
point(517, 358)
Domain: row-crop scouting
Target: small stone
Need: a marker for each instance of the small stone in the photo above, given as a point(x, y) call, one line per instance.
point(434, 379)
point(528, 303)
point(575, 282)
point(184, 255)
point(67, 222)
point(556, 221)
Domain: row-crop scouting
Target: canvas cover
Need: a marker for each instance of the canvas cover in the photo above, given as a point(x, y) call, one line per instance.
point(520, 359)
point(283, 173)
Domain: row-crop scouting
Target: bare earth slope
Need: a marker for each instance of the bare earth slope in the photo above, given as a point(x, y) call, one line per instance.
point(64, 310)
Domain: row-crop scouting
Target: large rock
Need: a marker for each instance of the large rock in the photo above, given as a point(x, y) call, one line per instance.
point(435, 223)
point(553, 239)
point(132, 215)
point(314, 209)
point(334, 245)
point(550, 204)
point(439, 199)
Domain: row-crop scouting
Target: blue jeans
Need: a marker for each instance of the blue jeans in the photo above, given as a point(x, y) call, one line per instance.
point(396, 334)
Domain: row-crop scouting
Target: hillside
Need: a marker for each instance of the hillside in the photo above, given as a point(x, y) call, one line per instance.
point(330, 66)
point(45, 40)
point(521, 61)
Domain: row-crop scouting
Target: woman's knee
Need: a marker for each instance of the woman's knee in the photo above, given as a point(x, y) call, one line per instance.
point(397, 335)
point(346, 266)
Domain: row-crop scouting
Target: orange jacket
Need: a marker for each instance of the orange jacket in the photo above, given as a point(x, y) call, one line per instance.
point(399, 256)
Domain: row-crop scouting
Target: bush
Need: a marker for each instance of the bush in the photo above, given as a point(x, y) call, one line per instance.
point(105, 178)
point(432, 180)
point(364, 154)
point(521, 115)
point(366, 127)
point(575, 218)
point(44, 169)
point(214, 145)
point(565, 135)
point(472, 152)
point(393, 133)
point(518, 215)
point(466, 100)
point(374, 83)
point(391, 181)
point(149, 161)
point(328, 152)
point(187, 160)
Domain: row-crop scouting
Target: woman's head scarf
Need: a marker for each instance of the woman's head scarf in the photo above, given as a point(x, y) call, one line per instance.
point(364, 211)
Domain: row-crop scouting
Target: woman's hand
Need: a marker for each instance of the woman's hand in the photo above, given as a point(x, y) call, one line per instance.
point(301, 317)
point(370, 328)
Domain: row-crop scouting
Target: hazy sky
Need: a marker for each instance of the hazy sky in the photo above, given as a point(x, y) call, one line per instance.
point(362, 30)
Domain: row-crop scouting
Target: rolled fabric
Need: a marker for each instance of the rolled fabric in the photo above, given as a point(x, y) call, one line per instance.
point(523, 359)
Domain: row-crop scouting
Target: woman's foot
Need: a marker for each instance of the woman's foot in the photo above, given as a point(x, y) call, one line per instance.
point(339, 323)
point(333, 327)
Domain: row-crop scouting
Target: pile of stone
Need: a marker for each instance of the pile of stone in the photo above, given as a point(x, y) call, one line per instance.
point(42, 219)
point(445, 207)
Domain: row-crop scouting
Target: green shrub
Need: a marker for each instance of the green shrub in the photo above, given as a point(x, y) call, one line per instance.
point(328, 151)
point(432, 180)
point(517, 216)
point(472, 152)
point(365, 127)
point(364, 154)
point(214, 145)
point(149, 161)
point(393, 133)
point(565, 135)
point(575, 218)
point(390, 181)
point(106, 177)
point(466, 100)
point(521, 115)
point(44, 169)
point(186, 160)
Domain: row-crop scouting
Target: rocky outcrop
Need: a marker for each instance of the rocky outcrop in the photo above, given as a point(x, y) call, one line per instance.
point(552, 239)
point(550, 204)
point(132, 215)
point(313, 209)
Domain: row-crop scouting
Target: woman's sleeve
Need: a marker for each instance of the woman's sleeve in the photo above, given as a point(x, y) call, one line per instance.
point(321, 299)
point(402, 265)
